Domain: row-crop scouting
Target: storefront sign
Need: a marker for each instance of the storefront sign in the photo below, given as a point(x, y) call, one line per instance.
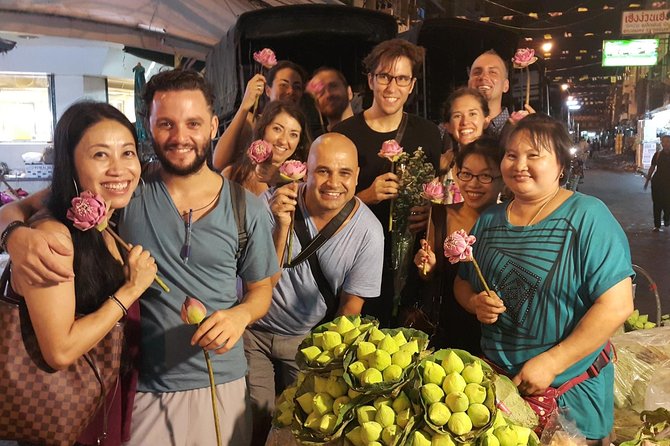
point(648, 150)
point(650, 21)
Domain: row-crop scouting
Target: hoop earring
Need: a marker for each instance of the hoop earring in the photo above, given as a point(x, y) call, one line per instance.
point(76, 188)
point(561, 175)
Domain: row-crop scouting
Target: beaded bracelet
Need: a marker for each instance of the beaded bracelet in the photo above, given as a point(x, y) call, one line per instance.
point(118, 302)
point(8, 230)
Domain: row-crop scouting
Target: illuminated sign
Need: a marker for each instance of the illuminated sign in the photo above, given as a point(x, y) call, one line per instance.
point(652, 21)
point(634, 52)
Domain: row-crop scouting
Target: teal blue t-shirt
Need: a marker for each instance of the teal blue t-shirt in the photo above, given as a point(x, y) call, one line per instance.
point(168, 362)
point(549, 275)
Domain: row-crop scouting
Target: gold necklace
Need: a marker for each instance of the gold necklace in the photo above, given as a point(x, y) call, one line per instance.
point(509, 208)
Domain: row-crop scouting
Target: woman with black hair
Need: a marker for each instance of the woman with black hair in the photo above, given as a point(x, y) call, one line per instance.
point(95, 150)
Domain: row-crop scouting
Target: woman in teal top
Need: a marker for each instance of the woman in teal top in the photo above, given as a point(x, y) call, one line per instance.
point(559, 267)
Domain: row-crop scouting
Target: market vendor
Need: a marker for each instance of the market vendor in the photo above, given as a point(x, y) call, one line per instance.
point(559, 267)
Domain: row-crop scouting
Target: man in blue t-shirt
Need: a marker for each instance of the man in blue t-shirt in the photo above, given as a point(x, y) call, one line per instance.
point(351, 261)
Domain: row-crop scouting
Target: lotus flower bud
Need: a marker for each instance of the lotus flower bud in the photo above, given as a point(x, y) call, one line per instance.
point(320, 384)
point(400, 339)
point(331, 339)
point(382, 401)
point(375, 335)
point(193, 311)
point(490, 440)
point(300, 379)
point(506, 436)
point(476, 393)
point(388, 344)
point(392, 373)
point(411, 347)
point(312, 421)
point(317, 339)
point(339, 402)
point(324, 358)
point(420, 438)
point(371, 431)
point(374, 443)
point(350, 336)
point(285, 418)
point(453, 382)
point(365, 414)
point(339, 350)
point(354, 436)
point(442, 440)
point(402, 359)
point(364, 349)
point(452, 363)
point(336, 387)
point(439, 413)
point(351, 393)
point(365, 326)
point(473, 373)
point(289, 393)
point(357, 368)
point(379, 360)
point(385, 415)
point(371, 376)
point(343, 324)
point(327, 423)
point(306, 402)
point(459, 423)
point(390, 433)
point(433, 373)
point(522, 435)
point(403, 417)
point(323, 403)
point(401, 402)
point(479, 414)
point(431, 393)
point(311, 353)
point(457, 402)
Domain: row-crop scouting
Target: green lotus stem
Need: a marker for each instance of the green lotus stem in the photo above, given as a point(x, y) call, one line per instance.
point(392, 202)
point(212, 389)
point(424, 267)
point(254, 109)
point(481, 277)
point(290, 238)
point(527, 85)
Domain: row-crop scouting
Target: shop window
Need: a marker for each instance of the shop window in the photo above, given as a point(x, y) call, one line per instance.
point(25, 109)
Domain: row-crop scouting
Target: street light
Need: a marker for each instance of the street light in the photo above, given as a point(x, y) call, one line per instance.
point(546, 46)
point(565, 87)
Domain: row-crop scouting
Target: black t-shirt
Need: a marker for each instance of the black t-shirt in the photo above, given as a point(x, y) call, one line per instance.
point(661, 160)
point(418, 133)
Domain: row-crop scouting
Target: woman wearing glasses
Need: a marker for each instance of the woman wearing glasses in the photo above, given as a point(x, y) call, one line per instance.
point(478, 177)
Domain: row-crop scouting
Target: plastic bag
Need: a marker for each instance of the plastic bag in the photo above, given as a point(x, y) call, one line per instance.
point(561, 430)
point(640, 355)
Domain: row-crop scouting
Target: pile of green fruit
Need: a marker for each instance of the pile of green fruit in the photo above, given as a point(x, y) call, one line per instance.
point(326, 344)
point(384, 359)
point(637, 321)
point(457, 394)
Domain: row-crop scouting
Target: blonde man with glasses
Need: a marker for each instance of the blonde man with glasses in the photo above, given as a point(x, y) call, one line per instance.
point(392, 67)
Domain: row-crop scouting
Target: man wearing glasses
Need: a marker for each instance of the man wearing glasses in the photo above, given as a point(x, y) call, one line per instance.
point(392, 67)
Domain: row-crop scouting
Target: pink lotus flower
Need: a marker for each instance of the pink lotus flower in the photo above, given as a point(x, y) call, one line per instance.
point(517, 116)
point(454, 193)
point(259, 151)
point(293, 170)
point(391, 150)
point(88, 211)
point(434, 191)
point(266, 57)
point(524, 57)
point(315, 87)
point(458, 246)
point(192, 311)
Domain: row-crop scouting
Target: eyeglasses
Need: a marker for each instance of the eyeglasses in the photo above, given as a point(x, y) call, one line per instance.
point(400, 81)
point(483, 178)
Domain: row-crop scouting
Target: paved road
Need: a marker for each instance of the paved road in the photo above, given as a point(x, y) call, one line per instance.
point(631, 205)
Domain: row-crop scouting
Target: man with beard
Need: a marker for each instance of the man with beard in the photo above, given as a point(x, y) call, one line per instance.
point(489, 75)
point(334, 100)
point(350, 260)
point(392, 67)
point(185, 206)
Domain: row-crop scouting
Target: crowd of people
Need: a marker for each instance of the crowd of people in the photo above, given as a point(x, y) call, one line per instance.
point(557, 261)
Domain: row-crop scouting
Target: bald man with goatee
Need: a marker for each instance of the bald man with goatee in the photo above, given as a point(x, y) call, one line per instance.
point(335, 280)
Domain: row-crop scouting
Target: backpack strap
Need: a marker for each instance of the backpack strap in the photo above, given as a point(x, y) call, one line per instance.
point(239, 202)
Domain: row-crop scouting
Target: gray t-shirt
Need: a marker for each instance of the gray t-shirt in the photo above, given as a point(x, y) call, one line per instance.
point(351, 260)
point(168, 362)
